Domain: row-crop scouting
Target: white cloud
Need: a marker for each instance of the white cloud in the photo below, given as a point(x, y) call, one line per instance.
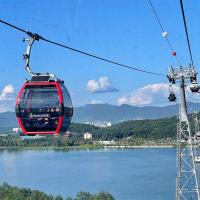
point(96, 101)
point(92, 86)
point(156, 93)
point(7, 99)
point(102, 85)
point(122, 100)
point(6, 92)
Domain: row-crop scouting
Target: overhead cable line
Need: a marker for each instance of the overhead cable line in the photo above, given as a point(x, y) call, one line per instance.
point(186, 31)
point(37, 37)
point(164, 31)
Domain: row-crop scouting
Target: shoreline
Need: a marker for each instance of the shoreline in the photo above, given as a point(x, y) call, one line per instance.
point(143, 146)
point(88, 147)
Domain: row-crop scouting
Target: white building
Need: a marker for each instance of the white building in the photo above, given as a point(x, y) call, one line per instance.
point(27, 137)
point(87, 136)
point(102, 124)
point(106, 142)
point(17, 130)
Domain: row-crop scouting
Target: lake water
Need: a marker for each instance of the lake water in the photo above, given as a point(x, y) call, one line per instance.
point(131, 174)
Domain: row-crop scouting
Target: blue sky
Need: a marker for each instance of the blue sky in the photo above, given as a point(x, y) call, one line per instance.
point(123, 30)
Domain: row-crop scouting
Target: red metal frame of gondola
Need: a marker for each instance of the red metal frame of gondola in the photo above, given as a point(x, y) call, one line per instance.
point(60, 99)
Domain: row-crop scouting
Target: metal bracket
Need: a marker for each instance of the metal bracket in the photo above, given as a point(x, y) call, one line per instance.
point(32, 39)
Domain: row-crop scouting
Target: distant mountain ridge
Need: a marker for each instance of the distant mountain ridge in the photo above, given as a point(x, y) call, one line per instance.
point(124, 112)
point(106, 112)
point(7, 121)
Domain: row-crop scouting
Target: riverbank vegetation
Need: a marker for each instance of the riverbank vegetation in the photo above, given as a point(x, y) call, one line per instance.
point(62, 142)
point(14, 193)
point(160, 132)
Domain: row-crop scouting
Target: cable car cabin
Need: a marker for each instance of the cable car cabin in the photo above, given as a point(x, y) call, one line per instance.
point(172, 97)
point(44, 107)
point(194, 87)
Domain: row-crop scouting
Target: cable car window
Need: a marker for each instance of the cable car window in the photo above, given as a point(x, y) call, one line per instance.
point(39, 108)
point(66, 97)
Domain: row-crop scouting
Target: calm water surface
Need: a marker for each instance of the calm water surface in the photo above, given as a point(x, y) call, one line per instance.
point(131, 174)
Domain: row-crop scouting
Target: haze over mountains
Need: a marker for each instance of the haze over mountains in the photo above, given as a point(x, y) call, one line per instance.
point(107, 112)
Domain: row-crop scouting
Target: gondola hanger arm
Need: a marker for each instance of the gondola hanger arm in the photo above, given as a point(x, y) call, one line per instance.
point(27, 55)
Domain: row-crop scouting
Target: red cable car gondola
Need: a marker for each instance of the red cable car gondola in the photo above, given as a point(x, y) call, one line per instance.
point(43, 104)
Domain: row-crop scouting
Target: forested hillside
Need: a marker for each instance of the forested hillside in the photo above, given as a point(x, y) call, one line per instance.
point(147, 129)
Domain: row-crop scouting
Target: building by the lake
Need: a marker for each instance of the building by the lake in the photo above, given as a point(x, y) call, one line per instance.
point(87, 136)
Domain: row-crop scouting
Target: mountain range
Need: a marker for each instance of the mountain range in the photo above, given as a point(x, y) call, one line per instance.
point(107, 112)
point(116, 114)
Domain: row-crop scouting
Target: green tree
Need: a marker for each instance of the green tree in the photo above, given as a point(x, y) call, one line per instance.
point(84, 196)
point(103, 196)
point(59, 197)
